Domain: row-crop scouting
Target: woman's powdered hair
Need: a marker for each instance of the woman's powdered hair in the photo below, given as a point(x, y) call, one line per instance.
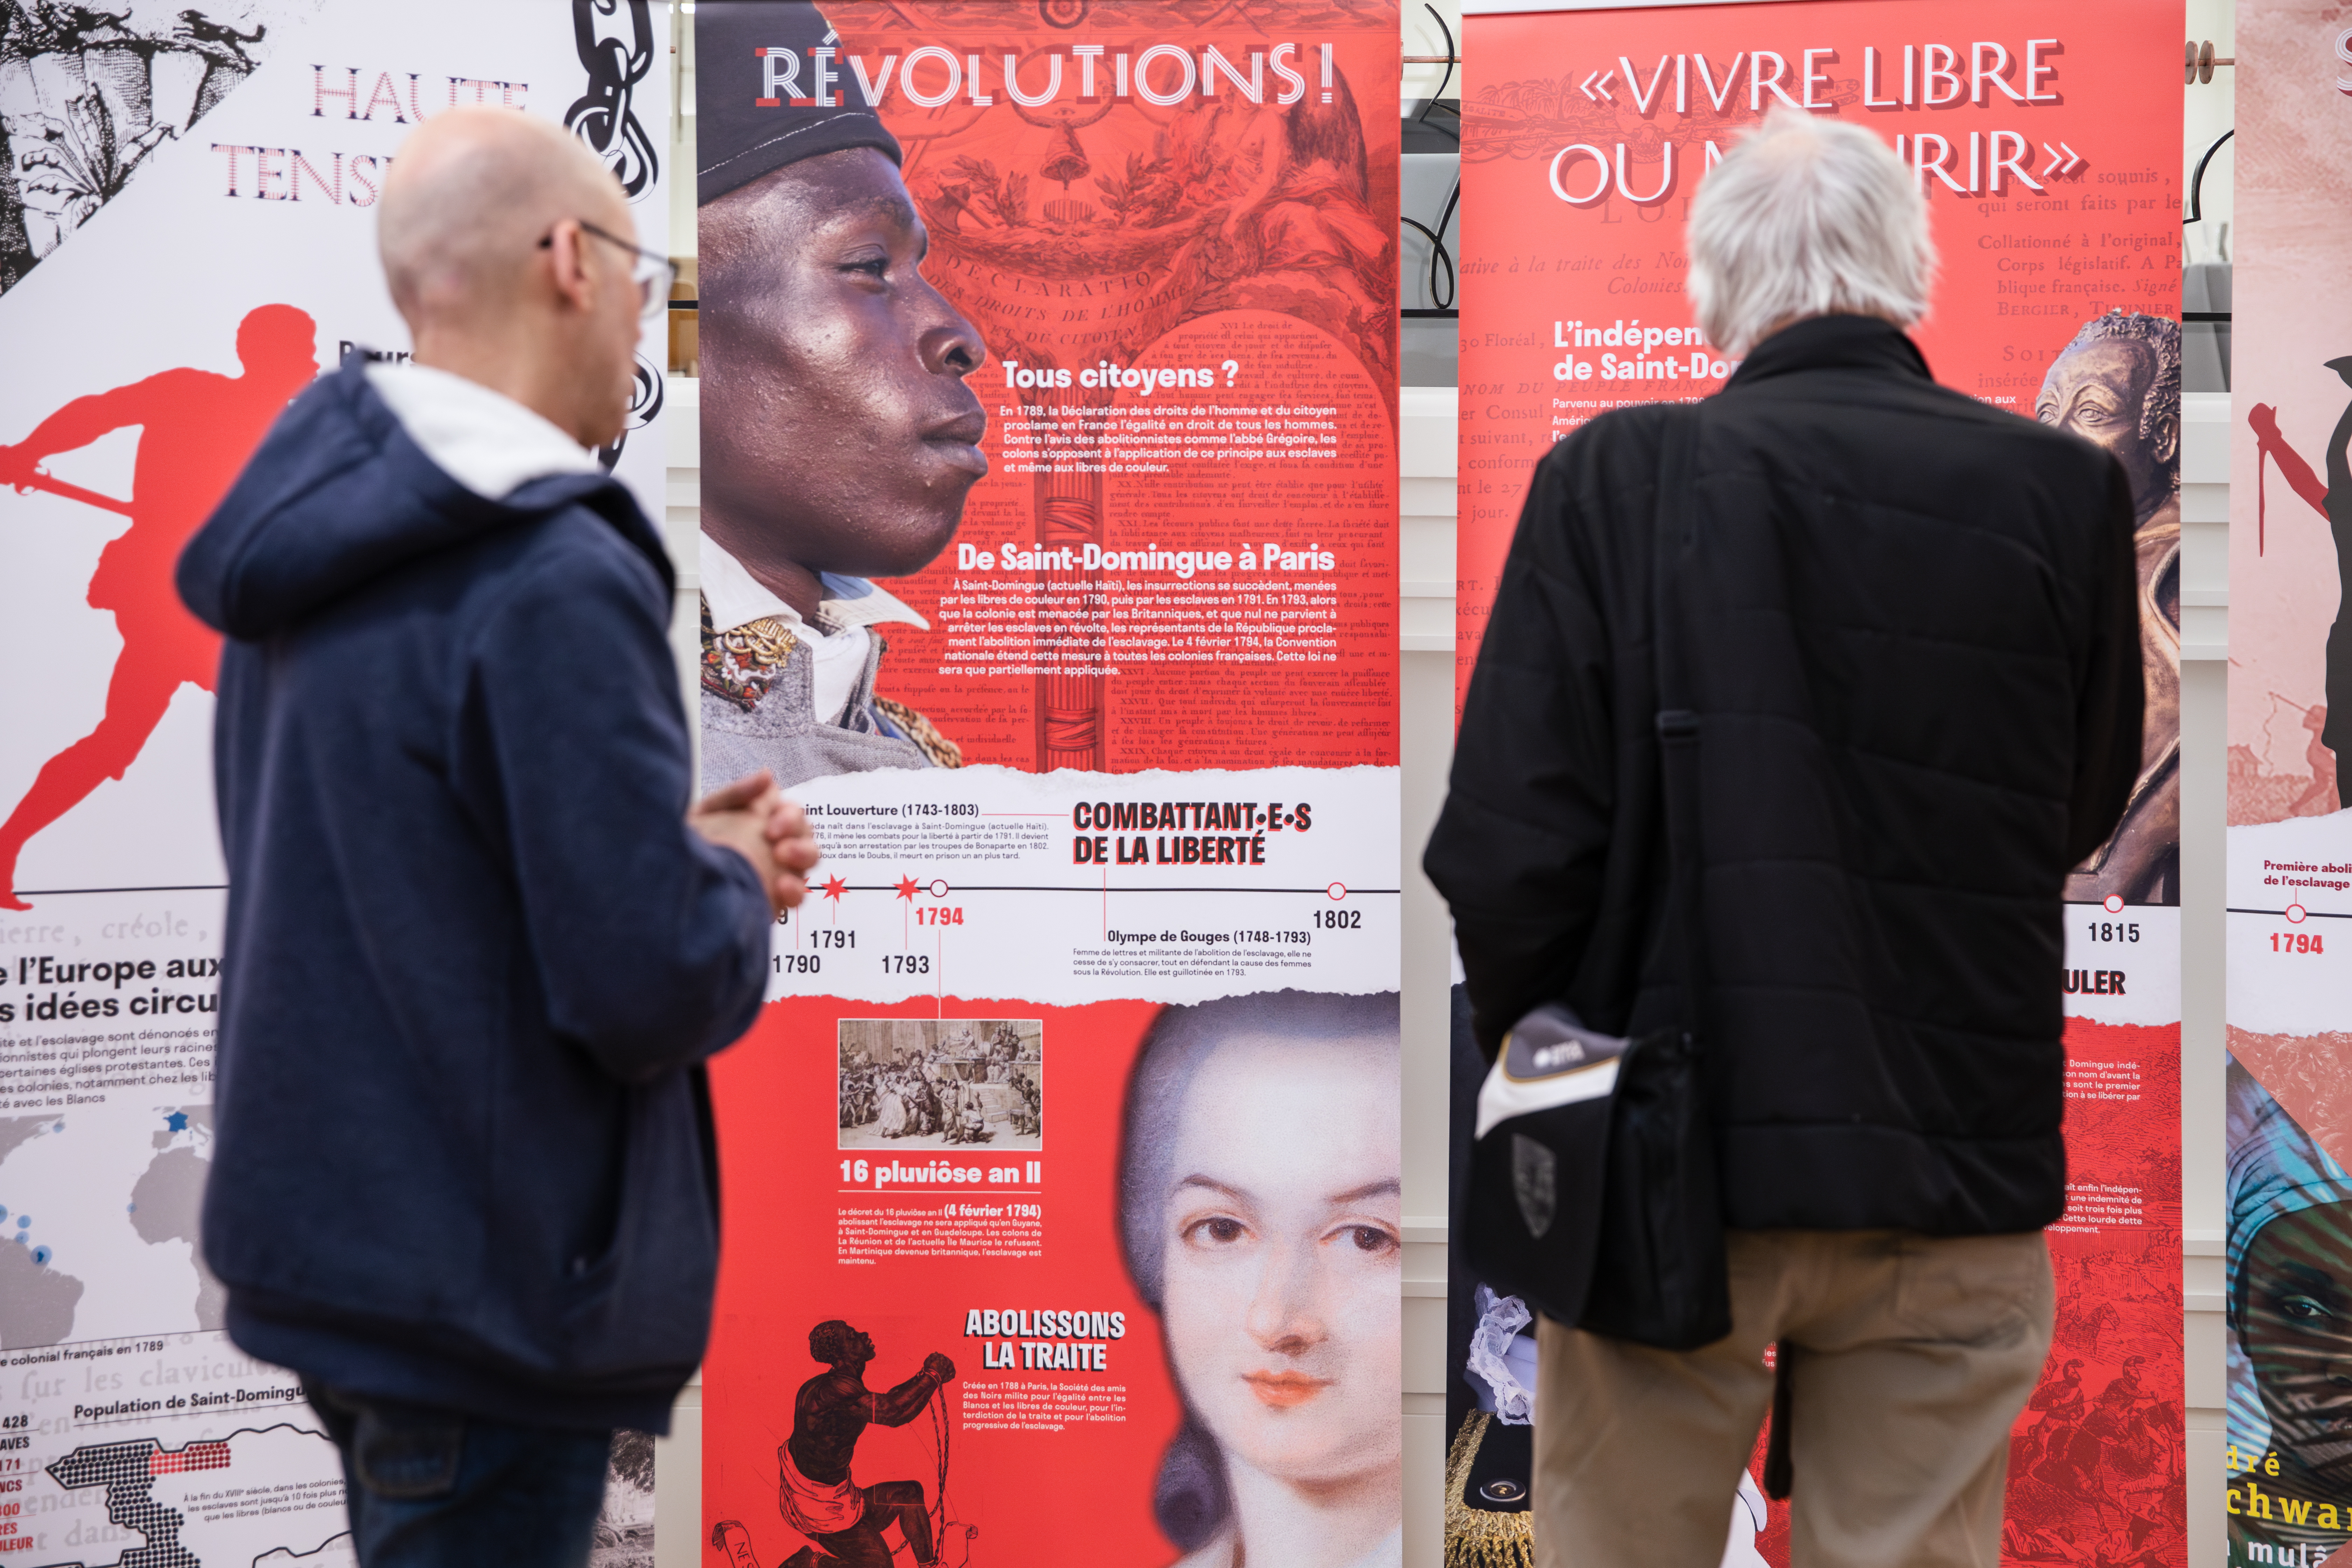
point(1807, 218)
point(1191, 1499)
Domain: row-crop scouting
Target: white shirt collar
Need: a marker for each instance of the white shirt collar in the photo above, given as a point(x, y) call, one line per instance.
point(736, 598)
point(483, 439)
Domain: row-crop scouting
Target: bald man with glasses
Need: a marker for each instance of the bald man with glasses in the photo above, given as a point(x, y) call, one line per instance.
point(479, 941)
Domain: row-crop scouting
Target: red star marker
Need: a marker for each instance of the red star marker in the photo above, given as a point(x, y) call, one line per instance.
point(835, 887)
point(907, 888)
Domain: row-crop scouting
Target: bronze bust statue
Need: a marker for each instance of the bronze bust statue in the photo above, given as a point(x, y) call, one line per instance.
point(2118, 384)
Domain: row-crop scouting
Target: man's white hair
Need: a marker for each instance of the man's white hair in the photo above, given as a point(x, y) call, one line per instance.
point(1806, 218)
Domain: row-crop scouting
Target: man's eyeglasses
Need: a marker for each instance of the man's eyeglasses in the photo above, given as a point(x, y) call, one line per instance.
point(654, 275)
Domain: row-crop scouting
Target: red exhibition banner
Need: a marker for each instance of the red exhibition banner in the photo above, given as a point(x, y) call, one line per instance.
point(2287, 1494)
point(1062, 1173)
point(2048, 143)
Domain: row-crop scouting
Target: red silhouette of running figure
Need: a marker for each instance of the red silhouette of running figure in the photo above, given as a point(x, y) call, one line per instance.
point(197, 430)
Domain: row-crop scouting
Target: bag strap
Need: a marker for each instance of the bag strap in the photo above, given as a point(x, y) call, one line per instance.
point(1672, 536)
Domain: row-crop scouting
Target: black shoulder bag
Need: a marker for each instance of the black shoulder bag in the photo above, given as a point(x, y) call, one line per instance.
point(1594, 1194)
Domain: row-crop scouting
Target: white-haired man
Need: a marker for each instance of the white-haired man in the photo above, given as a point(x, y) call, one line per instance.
point(1908, 627)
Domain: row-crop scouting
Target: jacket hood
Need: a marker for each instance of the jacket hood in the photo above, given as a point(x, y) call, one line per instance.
point(338, 494)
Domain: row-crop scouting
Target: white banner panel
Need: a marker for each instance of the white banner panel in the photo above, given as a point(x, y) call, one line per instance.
point(186, 237)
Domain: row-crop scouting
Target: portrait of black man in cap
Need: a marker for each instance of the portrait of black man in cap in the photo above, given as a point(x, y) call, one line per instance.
point(839, 439)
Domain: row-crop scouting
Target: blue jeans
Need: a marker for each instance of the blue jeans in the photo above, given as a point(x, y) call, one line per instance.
point(432, 1488)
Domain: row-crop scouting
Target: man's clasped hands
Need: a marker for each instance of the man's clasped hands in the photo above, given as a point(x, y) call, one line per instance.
point(753, 817)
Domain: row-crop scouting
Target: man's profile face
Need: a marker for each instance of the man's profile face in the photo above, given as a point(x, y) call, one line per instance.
point(2097, 390)
point(841, 437)
point(617, 322)
point(2299, 1333)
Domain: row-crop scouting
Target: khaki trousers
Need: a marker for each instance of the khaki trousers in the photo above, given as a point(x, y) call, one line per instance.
point(1912, 1356)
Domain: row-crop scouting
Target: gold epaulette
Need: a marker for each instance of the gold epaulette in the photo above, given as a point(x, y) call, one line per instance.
point(942, 751)
point(744, 663)
point(1475, 1538)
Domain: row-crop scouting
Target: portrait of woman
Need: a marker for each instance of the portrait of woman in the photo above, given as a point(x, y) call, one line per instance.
point(2290, 1319)
point(1260, 1216)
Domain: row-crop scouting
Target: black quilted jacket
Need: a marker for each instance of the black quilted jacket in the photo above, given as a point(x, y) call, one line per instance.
point(1910, 626)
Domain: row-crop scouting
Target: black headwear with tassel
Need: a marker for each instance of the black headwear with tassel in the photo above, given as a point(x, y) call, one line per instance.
point(759, 79)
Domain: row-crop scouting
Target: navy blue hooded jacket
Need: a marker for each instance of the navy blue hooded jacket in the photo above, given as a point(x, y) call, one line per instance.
point(474, 957)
